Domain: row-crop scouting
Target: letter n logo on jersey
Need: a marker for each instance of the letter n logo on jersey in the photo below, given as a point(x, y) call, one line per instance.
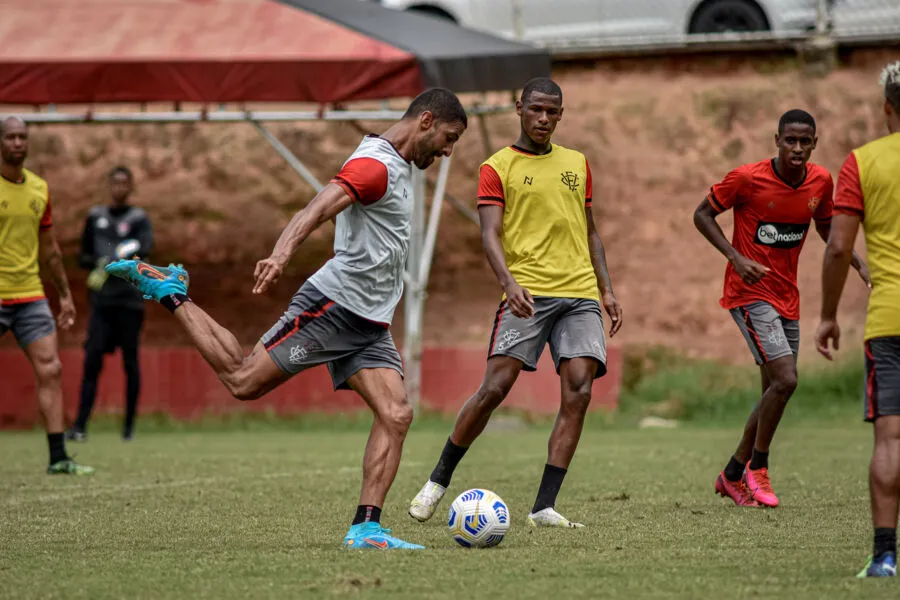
point(780, 235)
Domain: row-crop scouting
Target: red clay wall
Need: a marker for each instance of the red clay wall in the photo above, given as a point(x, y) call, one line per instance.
point(176, 381)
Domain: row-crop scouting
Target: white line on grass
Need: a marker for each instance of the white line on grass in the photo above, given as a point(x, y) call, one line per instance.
point(137, 487)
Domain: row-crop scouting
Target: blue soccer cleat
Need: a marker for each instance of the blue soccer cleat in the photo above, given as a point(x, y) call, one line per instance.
point(883, 566)
point(373, 535)
point(153, 282)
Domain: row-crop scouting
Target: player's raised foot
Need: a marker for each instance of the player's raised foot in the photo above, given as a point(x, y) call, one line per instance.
point(736, 490)
point(884, 566)
point(426, 501)
point(69, 467)
point(371, 535)
point(757, 482)
point(153, 282)
point(550, 518)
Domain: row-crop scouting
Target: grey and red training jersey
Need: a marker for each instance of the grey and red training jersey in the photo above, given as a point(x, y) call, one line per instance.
point(371, 240)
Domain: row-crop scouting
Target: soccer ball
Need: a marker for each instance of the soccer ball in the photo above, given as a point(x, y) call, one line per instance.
point(478, 519)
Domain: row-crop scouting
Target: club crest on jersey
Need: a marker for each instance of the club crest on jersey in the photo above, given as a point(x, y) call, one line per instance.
point(123, 228)
point(780, 235)
point(570, 179)
point(813, 203)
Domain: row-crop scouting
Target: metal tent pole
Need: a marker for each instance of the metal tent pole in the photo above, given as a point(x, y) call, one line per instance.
point(434, 220)
point(414, 299)
point(224, 116)
point(288, 156)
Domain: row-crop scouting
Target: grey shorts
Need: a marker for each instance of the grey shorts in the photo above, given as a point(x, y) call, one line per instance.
point(882, 377)
point(573, 326)
point(29, 321)
point(314, 331)
point(768, 334)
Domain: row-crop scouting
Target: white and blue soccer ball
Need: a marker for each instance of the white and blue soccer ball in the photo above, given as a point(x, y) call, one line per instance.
point(478, 519)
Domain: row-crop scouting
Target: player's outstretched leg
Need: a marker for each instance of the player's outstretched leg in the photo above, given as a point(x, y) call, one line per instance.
point(383, 391)
point(576, 380)
point(501, 374)
point(884, 488)
point(245, 377)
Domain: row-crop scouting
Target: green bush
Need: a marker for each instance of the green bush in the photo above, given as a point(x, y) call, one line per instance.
point(659, 384)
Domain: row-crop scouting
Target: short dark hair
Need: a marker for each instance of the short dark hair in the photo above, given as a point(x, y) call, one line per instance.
point(123, 170)
point(796, 116)
point(441, 103)
point(890, 80)
point(542, 85)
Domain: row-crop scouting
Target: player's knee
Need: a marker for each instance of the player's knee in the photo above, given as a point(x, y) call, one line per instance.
point(245, 392)
point(48, 370)
point(578, 397)
point(93, 364)
point(493, 392)
point(785, 384)
point(402, 415)
point(398, 415)
point(243, 387)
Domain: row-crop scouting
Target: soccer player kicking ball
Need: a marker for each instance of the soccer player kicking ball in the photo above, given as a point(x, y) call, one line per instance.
point(773, 202)
point(534, 200)
point(868, 192)
point(27, 241)
point(341, 315)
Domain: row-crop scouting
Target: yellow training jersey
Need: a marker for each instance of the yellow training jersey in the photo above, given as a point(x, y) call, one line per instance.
point(545, 238)
point(24, 211)
point(869, 186)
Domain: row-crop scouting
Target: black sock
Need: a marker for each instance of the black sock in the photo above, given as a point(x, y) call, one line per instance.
point(366, 513)
point(885, 540)
point(759, 460)
point(550, 484)
point(450, 457)
point(734, 470)
point(173, 301)
point(57, 447)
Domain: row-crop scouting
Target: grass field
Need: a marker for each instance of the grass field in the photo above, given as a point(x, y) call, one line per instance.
point(260, 514)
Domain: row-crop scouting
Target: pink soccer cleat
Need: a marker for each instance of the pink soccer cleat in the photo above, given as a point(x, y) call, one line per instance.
point(757, 482)
point(736, 490)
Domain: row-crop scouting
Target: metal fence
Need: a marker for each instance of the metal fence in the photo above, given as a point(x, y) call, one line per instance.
point(574, 27)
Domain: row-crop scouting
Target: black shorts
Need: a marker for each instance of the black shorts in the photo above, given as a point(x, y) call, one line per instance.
point(882, 377)
point(113, 327)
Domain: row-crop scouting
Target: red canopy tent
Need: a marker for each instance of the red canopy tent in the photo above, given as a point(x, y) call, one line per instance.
point(101, 51)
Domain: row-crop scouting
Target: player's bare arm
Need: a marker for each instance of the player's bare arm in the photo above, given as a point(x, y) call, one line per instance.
point(824, 230)
point(598, 260)
point(705, 221)
point(838, 256)
point(520, 301)
point(50, 257)
point(324, 207)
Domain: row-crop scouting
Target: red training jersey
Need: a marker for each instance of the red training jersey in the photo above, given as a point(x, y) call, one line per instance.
point(771, 220)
